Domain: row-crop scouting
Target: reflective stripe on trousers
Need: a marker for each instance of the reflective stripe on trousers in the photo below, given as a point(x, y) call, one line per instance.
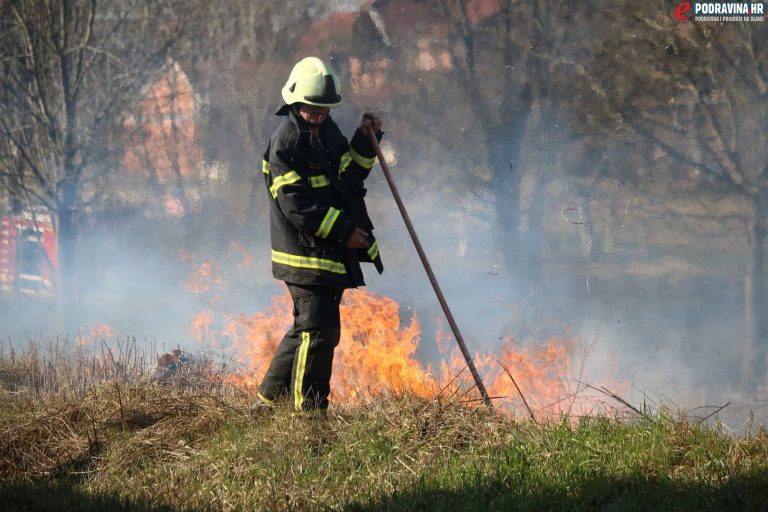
point(301, 367)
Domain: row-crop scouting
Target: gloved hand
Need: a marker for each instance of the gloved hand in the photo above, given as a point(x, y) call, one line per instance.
point(357, 240)
point(371, 121)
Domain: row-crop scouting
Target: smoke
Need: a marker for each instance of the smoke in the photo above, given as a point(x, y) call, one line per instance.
point(540, 248)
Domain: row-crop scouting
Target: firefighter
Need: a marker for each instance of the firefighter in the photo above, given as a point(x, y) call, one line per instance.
point(319, 227)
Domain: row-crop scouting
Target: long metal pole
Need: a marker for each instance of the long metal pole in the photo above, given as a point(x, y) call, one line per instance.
point(430, 274)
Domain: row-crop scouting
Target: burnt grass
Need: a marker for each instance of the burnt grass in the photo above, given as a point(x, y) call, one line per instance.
point(144, 446)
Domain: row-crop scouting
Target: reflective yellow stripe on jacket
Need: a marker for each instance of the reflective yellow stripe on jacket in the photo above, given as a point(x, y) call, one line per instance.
point(285, 179)
point(346, 159)
point(363, 161)
point(319, 181)
point(373, 250)
point(293, 260)
point(353, 156)
point(328, 221)
point(265, 167)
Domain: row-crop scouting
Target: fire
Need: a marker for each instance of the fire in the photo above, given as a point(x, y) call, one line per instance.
point(200, 326)
point(542, 372)
point(102, 331)
point(253, 339)
point(377, 354)
point(208, 276)
point(96, 334)
point(237, 247)
point(204, 278)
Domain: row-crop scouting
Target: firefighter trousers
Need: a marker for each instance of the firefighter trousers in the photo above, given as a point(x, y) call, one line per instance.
point(301, 367)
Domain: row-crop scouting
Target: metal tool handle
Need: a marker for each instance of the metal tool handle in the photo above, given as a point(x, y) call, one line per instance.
point(430, 274)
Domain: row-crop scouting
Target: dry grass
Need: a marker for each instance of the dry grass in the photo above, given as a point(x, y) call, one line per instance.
point(186, 445)
point(59, 434)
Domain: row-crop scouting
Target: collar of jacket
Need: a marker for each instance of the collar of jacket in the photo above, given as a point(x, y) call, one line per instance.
point(300, 124)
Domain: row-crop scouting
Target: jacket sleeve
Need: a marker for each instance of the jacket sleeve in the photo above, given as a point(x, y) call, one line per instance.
point(291, 191)
point(358, 160)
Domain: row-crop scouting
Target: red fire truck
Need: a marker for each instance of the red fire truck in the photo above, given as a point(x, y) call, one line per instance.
point(28, 255)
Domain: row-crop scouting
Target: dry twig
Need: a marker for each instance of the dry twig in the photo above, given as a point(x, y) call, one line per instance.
point(530, 411)
point(616, 397)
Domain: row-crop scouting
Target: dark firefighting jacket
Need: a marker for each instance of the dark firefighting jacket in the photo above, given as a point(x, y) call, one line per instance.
point(317, 196)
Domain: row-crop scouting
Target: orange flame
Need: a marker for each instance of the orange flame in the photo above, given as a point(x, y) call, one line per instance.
point(378, 355)
point(239, 248)
point(375, 354)
point(200, 326)
point(96, 334)
point(103, 331)
point(204, 278)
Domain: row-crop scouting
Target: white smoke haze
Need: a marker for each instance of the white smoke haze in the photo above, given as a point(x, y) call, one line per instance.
point(560, 244)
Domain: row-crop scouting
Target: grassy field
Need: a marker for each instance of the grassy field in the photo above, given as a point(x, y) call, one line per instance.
point(125, 444)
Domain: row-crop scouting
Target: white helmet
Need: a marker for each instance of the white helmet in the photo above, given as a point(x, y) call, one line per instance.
point(312, 82)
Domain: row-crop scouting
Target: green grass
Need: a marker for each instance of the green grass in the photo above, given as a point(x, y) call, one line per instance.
point(149, 447)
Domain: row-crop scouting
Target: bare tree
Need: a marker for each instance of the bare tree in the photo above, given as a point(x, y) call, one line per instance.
point(71, 68)
point(238, 61)
point(693, 95)
point(514, 67)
